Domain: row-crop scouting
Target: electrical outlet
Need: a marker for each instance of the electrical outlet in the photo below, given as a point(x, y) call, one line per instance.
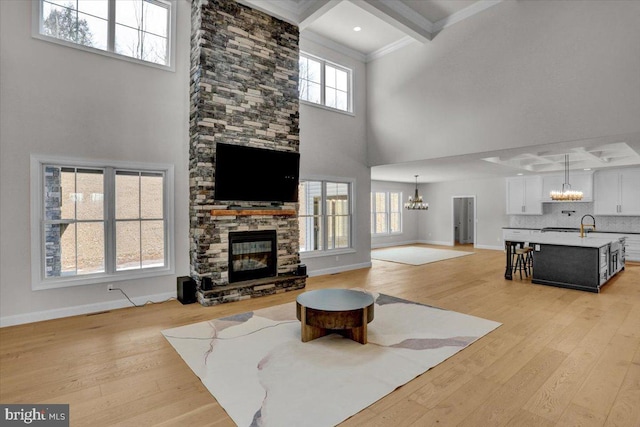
point(109, 287)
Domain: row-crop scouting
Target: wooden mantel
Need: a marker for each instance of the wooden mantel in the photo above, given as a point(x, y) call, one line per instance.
point(250, 212)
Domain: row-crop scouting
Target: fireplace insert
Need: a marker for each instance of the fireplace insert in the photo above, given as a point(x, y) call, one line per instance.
point(252, 255)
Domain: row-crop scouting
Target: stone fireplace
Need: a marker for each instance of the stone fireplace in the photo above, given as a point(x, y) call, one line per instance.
point(244, 91)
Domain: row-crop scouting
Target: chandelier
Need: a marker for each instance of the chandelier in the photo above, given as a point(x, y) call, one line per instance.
point(567, 193)
point(416, 202)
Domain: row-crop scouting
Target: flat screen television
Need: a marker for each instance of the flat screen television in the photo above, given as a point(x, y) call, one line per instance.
point(251, 174)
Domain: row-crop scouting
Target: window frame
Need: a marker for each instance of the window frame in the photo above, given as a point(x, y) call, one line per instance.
point(36, 32)
point(387, 211)
point(322, 104)
point(39, 281)
point(350, 182)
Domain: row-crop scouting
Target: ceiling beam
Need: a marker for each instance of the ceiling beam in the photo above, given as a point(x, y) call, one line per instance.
point(590, 155)
point(400, 16)
point(315, 10)
point(286, 10)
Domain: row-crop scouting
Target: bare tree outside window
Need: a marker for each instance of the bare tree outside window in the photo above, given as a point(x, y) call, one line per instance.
point(141, 30)
point(63, 23)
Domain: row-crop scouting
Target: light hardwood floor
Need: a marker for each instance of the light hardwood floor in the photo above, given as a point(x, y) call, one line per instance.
point(561, 357)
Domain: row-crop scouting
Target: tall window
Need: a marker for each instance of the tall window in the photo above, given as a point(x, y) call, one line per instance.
point(324, 83)
point(138, 29)
point(325, 215)
point(386, 212)
point(99, 223)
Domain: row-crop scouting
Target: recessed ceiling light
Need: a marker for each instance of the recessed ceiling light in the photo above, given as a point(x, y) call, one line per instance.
point(587, 169)
point(356, 29)
point(520, 174)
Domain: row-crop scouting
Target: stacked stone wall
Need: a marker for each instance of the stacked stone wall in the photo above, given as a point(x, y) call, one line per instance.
point(244, 77)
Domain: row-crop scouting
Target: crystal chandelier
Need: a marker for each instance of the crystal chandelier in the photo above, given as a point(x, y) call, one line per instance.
point(567, 193)
point(416, 202)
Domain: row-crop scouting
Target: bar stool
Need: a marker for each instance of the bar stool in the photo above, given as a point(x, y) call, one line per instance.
point(523, 260)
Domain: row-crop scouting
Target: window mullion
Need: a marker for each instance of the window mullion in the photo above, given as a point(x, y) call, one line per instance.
point(111, 26)
point(140, 216)
point(109, 220)
point(324, 213)
point(323, 72)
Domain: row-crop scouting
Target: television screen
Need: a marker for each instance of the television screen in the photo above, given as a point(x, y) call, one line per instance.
point(255, 174)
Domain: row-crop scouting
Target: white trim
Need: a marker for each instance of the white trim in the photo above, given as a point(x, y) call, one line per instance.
point(409, 14)
point(494, 248)
point(464, 14)
point(390, 244)
point(37, 236)
point(331, 252)
point(323, 67)
point(391, 47)
point(285, 10)
point(352, 208)
point(340, 269)
point(475, 219)
point(435, 242)
point(36, 13)
point(38, 316)
point(330, 44)
point(324, 107)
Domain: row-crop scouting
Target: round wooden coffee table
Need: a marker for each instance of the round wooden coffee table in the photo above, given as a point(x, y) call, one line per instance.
point(342, 311)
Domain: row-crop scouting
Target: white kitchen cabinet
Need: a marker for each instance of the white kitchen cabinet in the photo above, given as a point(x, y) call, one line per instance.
point(617, 192)
point(580, 181)
point(524, 195)
point(520, 232)
point(632, 246)
point(632, 243)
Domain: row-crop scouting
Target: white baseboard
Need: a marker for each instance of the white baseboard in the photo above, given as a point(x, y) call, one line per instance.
point(58, 313)
point(340, 269)
point(389, 244)
point(435, 242)
point(495, 248)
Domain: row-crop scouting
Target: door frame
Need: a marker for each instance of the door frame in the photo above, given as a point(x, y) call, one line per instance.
point(475, 219)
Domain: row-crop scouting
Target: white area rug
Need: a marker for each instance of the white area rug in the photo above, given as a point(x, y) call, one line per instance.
point(262, 374)
point(415, 255)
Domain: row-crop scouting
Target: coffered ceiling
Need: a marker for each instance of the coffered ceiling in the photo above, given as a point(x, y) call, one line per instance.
point(384, 25)
point(387, 25)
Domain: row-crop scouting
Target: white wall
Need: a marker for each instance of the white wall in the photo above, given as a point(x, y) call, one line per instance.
point(436, 226)
point(518, 74)
point(334, 145)
point(61, 101)
point(409, 218)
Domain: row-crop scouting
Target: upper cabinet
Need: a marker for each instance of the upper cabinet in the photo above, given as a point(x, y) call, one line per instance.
point(617, 192)
point(524, 195)
point(580, 181)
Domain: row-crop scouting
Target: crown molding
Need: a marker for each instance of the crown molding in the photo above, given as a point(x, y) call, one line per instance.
point(286, 10)
point(330, 44)
point(405, 41)
point(464, 14)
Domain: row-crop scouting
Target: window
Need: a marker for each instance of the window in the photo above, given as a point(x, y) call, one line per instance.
point(324, 83)
point(325, 215)
point(386, 212)
point(140, 30)
point(94, 223)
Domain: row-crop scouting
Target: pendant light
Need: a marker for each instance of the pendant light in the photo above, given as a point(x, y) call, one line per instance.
point(567, 194)
point(416, 202)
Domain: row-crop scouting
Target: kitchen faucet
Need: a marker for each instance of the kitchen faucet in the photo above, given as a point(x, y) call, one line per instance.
point(583, 225)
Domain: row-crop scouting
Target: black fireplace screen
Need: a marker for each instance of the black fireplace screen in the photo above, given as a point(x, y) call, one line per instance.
point(252, 255)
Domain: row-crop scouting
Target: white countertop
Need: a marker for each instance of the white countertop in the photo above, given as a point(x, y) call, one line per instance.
point(562, 239)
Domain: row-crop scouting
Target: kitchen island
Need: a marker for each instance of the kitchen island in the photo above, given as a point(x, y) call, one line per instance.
point(569, 261)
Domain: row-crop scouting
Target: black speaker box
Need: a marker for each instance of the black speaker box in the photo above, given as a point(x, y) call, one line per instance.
point(186, 290)
point(301, 270)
